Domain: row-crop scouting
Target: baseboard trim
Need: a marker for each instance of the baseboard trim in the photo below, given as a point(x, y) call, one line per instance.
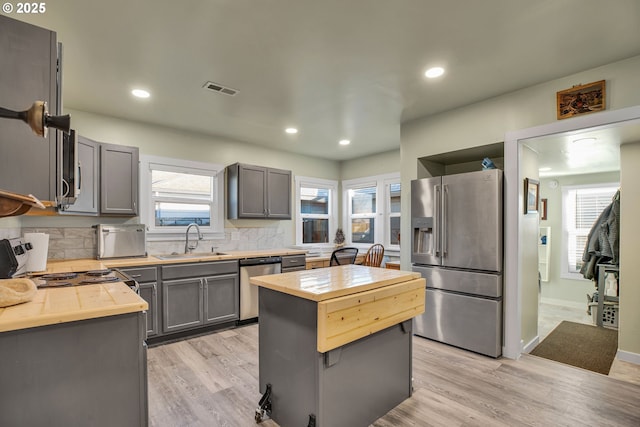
point(627, 356)
point(532, 344)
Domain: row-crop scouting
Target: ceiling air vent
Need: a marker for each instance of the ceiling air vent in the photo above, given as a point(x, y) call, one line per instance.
point(215, 87)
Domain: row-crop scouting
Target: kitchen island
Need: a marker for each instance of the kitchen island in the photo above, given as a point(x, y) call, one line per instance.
point(74, 356)
point(335, 343)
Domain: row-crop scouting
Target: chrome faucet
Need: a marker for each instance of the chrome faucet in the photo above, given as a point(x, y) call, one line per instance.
point(187, 247)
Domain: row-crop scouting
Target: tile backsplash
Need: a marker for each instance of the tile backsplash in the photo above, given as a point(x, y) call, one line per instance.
point(81, 242)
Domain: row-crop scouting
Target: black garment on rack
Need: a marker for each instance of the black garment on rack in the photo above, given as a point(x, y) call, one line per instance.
point(603, 241)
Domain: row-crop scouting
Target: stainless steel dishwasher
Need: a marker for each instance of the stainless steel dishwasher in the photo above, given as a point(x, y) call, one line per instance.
point(251, 267)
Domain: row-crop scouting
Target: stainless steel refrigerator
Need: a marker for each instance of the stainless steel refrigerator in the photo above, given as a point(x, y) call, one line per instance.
point(457, 241)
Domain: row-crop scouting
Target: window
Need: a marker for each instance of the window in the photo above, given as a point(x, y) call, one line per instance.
point(581, 207)
point(373, 211)
point(316, 210)
point(176, 193)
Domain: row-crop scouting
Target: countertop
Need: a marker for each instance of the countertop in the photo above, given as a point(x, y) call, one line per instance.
point(326, 283)
point(59, 305)
point(63, 266)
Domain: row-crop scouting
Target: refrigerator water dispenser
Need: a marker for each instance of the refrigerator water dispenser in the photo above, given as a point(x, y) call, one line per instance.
point(423, 236)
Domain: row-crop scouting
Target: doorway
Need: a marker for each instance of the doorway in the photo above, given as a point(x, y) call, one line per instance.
point(521, 313)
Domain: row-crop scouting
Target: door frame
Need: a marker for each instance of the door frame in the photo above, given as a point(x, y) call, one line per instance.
point(513, 345)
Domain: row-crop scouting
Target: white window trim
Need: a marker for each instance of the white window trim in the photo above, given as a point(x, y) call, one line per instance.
point(382, 184)
point(214, 231)
point(332, 186)
point(564, 261)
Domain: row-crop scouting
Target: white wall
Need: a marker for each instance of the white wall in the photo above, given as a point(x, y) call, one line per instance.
point(629, 319)
point(487, 122)
point(528, 251)
point(559, 290)
point(376, 164)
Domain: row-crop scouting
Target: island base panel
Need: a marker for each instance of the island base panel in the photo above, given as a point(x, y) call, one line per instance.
point(86, 373)
point(353, 385)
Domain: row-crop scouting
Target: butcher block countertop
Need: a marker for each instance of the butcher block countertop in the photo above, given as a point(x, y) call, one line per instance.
point(68, 304)
point(64, 266)
point(353, 301)
point(332, 282)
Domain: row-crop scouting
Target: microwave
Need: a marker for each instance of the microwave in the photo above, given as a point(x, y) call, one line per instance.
point(68, 174)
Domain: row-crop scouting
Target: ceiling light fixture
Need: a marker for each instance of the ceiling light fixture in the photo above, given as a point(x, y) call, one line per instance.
point(545, 169)
point(291, 130)
point(140, 93)
point(344, 142)
point(434, 72)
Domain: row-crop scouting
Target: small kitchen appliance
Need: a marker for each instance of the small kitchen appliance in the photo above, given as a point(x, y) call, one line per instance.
point(14, 254)
point(120, 241)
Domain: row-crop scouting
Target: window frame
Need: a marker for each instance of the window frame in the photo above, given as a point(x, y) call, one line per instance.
point(147, 211)
point(566, 189)
point(332, 216)
point(383, 213)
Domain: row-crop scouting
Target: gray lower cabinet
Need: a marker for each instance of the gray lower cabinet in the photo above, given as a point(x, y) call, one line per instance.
point(86, 373)
point(147, 278)
point(294, 263)
point(149, 292)
point(199, 294)
point(258, 192)
point(183, 304)
point(28, 68)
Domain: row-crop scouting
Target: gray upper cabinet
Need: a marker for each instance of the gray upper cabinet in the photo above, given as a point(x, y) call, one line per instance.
point(258, 192)
point(108, 175)
point(118, 179)
point(28, 67)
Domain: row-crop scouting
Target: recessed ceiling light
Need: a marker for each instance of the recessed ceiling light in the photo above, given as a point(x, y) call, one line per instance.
point(344, 142)
point(434, 72)
point(545, 169)
point(140, 93)
point(291, 130)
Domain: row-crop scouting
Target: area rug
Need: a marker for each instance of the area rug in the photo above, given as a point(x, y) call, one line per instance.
point(576, 344)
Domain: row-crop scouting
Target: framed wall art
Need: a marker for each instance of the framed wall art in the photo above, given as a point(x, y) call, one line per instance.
point(543, 209)
point(581, 99)
point(531, 195)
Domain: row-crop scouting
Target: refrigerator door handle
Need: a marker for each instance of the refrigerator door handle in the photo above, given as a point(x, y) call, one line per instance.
point(436, 221)
point(445, 234)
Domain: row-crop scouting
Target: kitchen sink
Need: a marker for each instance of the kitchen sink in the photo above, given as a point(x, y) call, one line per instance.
point(192, 255)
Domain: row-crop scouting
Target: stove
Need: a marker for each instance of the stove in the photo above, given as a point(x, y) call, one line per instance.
point(92, 277)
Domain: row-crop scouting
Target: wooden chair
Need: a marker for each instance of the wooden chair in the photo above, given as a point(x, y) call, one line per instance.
point(374, 256)
point(343, 256)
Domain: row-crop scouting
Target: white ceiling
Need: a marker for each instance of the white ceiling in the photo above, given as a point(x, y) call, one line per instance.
point(332, 68)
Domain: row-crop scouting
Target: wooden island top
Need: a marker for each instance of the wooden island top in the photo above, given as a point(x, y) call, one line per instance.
point(353, 301)
point(326, 283)
point(68, 304)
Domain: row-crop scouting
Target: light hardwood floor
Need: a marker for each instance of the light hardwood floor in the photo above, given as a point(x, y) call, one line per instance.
point(212, 380)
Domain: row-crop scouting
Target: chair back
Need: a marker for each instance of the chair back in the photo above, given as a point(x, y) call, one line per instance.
point(374, 256)
point(343, 256)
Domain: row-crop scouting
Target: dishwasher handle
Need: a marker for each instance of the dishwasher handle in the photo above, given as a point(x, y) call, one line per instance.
point(260, 261)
